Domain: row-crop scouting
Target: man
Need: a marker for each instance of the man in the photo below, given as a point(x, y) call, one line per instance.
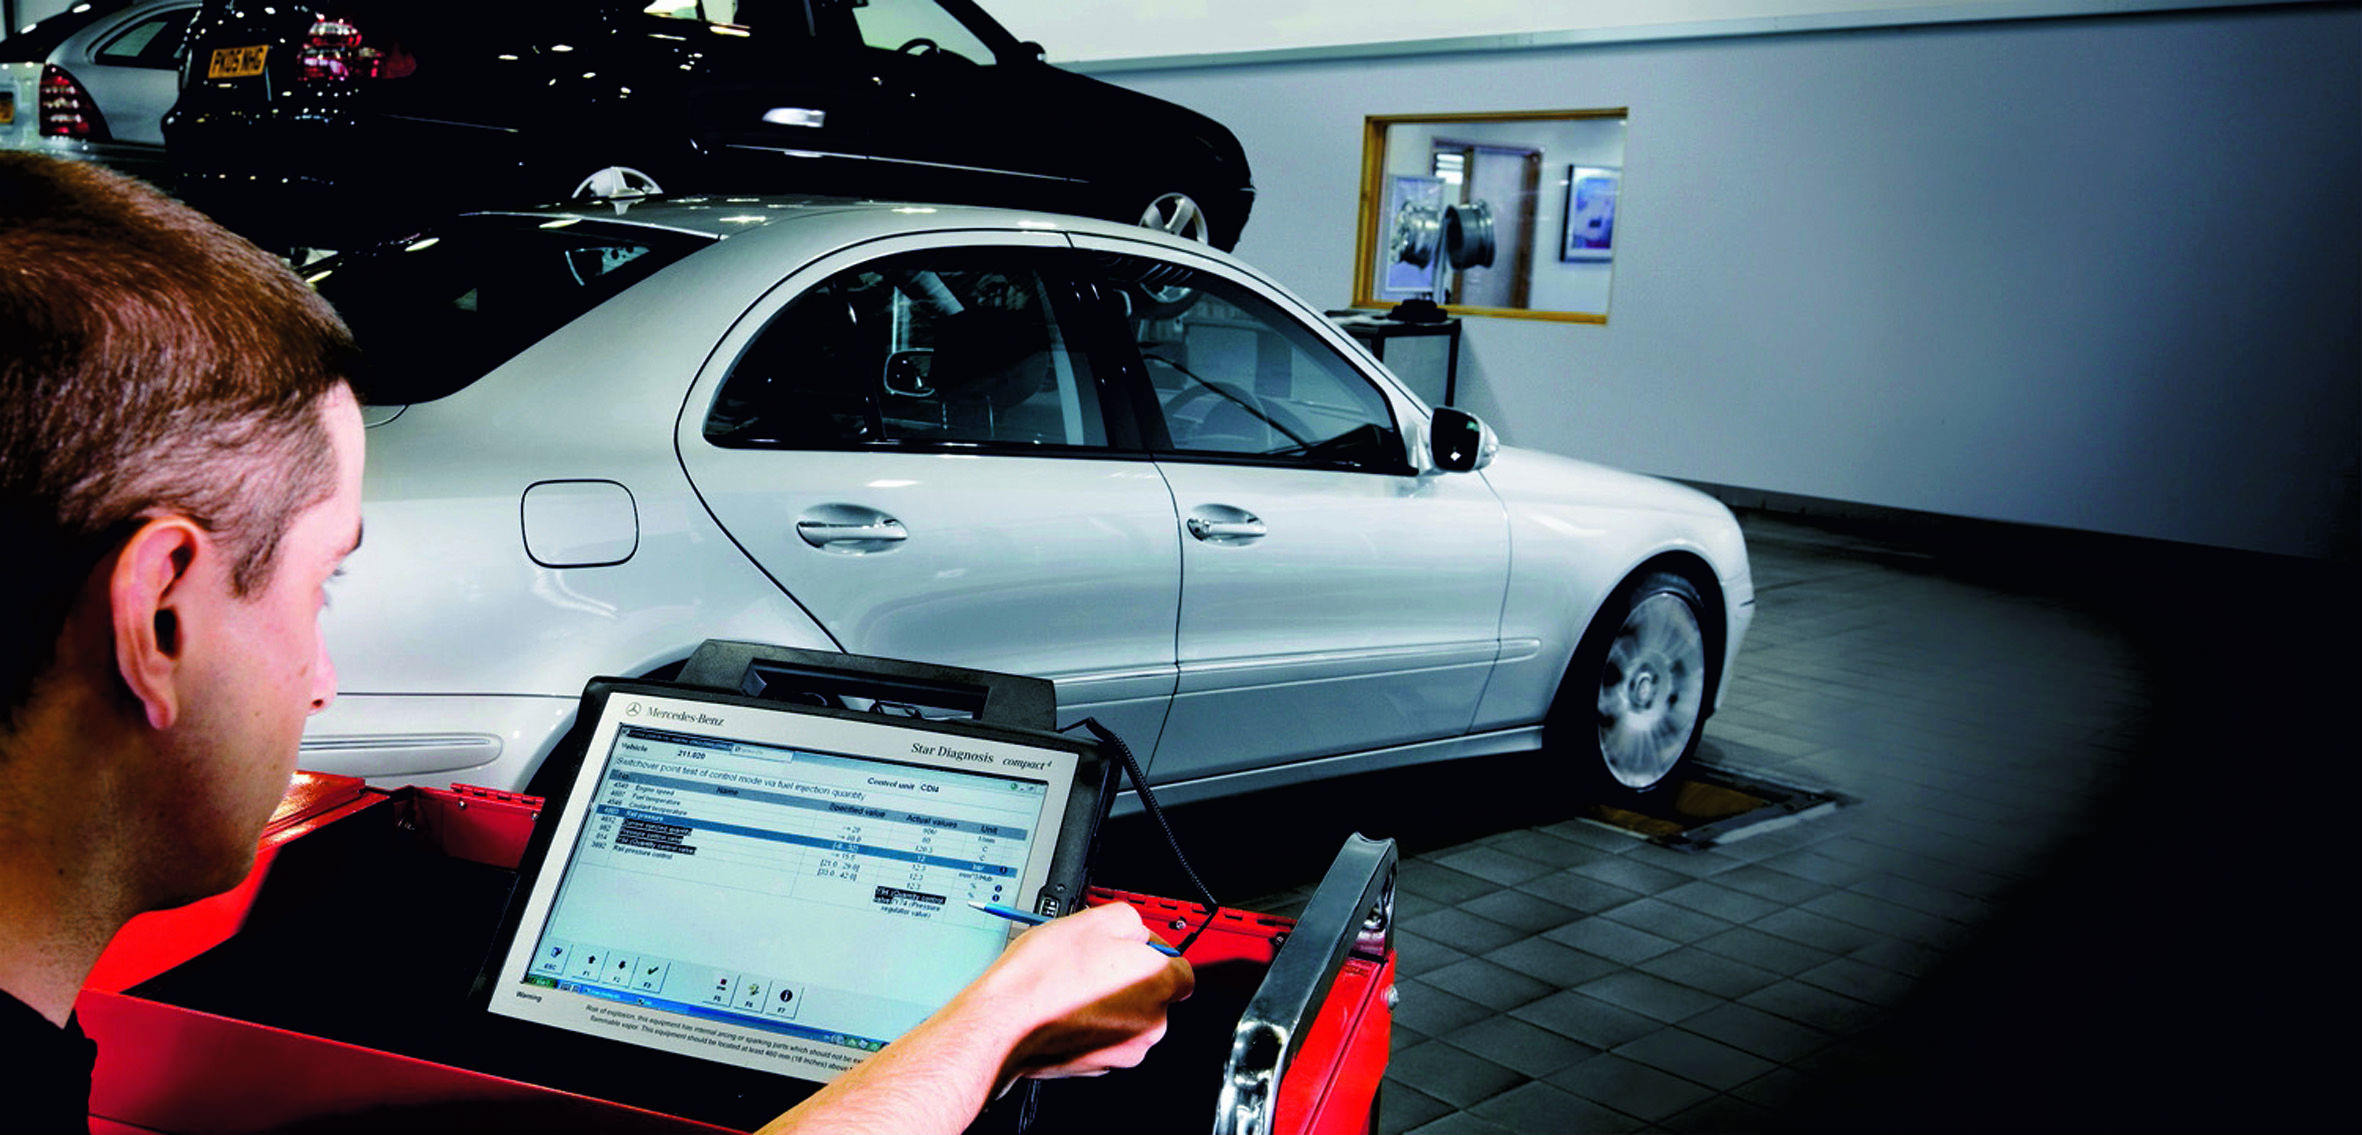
point(180, 477)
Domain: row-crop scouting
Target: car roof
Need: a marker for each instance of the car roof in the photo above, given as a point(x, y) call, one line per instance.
point(830, 219)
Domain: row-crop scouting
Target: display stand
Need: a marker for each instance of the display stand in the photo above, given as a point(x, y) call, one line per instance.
point(329, 991)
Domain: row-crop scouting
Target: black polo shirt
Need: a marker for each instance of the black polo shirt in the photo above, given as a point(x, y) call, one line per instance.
point(46, 1072)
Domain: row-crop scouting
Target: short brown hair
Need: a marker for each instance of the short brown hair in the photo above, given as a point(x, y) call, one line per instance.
point(149, 360)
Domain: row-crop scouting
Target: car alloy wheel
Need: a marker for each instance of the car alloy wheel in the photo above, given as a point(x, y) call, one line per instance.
point(1178, 214)
point(1628, 712)
point(1651, 687)
point(616, 183)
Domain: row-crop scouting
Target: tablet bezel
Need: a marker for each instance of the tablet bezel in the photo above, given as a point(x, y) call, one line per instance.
point(1061, 892)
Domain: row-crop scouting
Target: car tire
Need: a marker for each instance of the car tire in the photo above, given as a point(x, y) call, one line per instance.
point(1631, 708)
point(1174, 214)
point(1178, 214)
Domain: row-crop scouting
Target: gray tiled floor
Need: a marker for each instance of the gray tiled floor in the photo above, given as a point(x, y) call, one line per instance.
point(1569, 977)
point(1560, 976)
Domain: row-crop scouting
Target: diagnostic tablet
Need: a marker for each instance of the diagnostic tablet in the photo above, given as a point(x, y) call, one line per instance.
point(781, 888)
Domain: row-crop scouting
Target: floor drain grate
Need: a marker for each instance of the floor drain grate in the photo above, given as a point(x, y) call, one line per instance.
point(1717, 805)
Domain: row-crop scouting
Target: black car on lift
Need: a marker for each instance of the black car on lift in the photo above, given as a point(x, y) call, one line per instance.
point(328, 123)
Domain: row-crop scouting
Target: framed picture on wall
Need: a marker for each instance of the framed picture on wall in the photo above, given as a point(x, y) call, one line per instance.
point(1591, 212)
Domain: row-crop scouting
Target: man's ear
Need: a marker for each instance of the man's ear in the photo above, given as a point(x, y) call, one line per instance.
point(146, 594)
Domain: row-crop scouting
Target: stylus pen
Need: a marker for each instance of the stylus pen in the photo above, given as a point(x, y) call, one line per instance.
point(1031, 919)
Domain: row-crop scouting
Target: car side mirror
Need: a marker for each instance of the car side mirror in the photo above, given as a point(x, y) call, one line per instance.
point(1460, 441)
point(1033, 51)
point(906, 373)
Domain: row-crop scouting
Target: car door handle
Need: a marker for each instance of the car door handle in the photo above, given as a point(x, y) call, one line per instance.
point(822, 533)
point(1234, 529)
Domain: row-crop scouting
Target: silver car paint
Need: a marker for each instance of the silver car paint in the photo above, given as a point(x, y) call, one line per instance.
point(447, 628)
point(1576, 530)
point(1579, 530)
point(1058, 567)
point(132, 99)
point(1393, 642)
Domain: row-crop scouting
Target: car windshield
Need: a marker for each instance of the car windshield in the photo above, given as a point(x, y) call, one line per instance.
point(33, 42)
point(436, 312)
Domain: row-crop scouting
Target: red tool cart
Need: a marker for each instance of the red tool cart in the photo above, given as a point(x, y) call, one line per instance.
point(330, 993)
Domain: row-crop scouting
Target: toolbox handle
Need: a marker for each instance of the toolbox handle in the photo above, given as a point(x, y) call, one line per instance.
point(821, 677)
point(1351, 912)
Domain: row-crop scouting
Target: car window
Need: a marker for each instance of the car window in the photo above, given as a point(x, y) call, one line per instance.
point(437, 312)
point(1234, 375)
point(950, 348)
point(766, 14)
point(915, 26)
point(153, 42)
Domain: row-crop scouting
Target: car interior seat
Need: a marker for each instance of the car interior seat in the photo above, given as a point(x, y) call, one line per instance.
point(988, 362)
point(802, 383)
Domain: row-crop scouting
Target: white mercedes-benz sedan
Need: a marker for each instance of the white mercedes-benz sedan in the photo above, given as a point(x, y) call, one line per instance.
point(1002, 440)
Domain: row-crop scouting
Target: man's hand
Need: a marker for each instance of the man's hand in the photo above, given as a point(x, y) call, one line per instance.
point(1097, 988)
point(1075, 996)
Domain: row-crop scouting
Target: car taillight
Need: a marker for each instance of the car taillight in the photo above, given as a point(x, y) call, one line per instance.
point(66, 109)
point(333, 53)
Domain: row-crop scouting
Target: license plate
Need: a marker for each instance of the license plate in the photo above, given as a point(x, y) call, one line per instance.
point(236, 62)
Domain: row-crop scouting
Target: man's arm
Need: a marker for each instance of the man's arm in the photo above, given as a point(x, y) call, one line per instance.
point(1074, 996)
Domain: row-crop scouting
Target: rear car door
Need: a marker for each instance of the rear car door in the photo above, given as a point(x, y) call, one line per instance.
point(1333, 600)
point(132, 71)
point(23, 51)
point(912, 439)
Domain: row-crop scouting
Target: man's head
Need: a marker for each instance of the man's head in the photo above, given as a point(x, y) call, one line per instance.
point(179, 473)
point(149, 362)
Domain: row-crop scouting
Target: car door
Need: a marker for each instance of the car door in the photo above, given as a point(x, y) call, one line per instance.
point(912, 441)
point(774, 106)
point(1333, 600)
point(947, 112)
point(133, 72)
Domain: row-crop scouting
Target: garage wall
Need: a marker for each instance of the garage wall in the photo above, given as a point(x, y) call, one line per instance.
point(1165, 30)
point(2100, 273)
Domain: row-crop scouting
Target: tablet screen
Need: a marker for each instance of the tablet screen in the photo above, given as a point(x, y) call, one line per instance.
point(777, 890)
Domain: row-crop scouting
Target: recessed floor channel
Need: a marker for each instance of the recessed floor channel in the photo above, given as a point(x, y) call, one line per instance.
point(1715, 806)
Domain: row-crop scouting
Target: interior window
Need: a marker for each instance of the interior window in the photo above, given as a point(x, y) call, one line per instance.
point(153, 42)
point(437, 313)
point(954, 347)
point(1235, 375)
point(918, 27)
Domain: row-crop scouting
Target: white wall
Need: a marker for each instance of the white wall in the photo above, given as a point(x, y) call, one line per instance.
point(1110, 30)
point(2098, 273)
